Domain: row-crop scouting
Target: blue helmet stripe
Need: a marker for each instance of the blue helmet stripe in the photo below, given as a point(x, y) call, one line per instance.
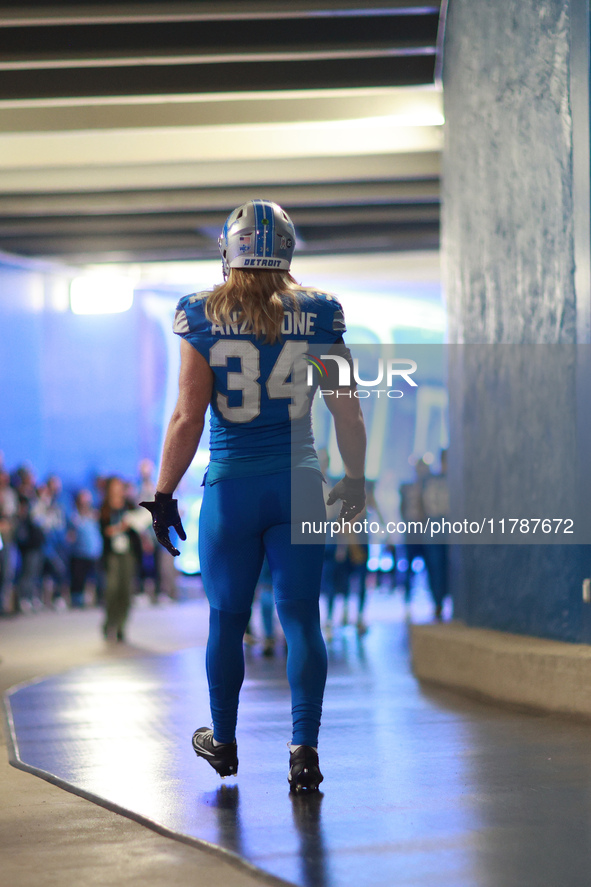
point(265, 234)
point(259, 215)
point(270, 230)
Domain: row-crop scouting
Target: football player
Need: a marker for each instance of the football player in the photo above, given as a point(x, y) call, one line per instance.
point(253, 350)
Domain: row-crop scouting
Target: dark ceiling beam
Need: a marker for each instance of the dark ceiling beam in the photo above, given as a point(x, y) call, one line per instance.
point(17, 228)
point(213, 78)
point(30, 14)
point(343, 216)
point(187, 41)
point(403, 238)
point(190, 200)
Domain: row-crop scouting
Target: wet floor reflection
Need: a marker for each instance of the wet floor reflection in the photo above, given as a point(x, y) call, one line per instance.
point(225, 800)
point(307, 818)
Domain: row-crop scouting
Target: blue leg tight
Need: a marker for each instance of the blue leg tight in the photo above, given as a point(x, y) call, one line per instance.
point(306, 667)
point(224, 661)
point(241, 519)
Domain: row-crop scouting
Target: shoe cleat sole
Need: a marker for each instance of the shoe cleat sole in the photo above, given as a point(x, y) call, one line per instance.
point(303, 789)
point(304, 773)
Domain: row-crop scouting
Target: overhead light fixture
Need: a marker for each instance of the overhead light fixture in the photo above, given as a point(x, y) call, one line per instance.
point(101, 293)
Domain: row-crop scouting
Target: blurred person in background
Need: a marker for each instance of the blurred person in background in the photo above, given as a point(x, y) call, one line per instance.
point(435, 494)
point(348, 569)
point(136, 538)
point(357, 555)
point(8, 516)
point(413, 514)
point(29, 539)
point(387, 499)
point(99, 486)
point(336, 584)
point(119, 557)
point(86, 545)
point(50, 515)
point(264, 591)
point(349, 573)
point(23, 481)
point(331, 581)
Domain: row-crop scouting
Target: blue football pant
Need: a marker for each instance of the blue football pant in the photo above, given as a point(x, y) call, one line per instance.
point(242, 519)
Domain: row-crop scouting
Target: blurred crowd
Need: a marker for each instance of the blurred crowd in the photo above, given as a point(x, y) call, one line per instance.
point(97, 547)
point(352, 563)
point(93, 546)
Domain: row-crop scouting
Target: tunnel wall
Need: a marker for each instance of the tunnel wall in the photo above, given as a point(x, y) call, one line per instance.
point(509, 241)
point(70, 387)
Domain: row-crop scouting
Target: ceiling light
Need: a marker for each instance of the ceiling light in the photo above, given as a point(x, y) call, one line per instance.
point(100, 293)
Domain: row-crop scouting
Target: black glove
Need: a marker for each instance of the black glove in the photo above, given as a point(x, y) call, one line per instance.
point(165, 514)
point(352, 492)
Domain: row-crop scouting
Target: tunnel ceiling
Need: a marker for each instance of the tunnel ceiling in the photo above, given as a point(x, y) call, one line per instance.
point(129, 131)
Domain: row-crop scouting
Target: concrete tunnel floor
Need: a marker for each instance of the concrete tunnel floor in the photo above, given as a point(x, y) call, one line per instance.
point(422, 785)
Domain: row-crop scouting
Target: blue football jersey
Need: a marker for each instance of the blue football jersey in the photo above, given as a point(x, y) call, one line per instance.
point(262, 393)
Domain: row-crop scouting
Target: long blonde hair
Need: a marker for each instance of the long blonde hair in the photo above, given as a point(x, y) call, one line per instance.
point(254, 297)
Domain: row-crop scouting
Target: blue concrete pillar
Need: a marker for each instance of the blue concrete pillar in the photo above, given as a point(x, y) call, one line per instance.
point(516, 245)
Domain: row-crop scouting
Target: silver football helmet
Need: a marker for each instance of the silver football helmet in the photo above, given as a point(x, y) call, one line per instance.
point(258, 234)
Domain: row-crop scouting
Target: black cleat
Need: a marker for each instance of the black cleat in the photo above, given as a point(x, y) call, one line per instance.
point(223, 758)
point(304, 770)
